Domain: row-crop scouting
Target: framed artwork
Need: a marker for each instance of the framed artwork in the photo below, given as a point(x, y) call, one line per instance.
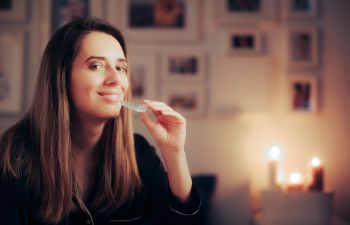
point(303, 45)
point(245, 11)
point(303, 93)
point(13, 11)
point(64, 11)
point(245, 41)
point(300, 9)
point(183, 65)
point(149, 20)
point(11, 72)
point(143, 75)
point(189, 100)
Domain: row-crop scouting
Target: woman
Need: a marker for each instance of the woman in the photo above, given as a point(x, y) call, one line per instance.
point(73, 158)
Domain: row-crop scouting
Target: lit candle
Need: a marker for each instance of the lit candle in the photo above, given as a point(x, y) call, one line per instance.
point(316, 175)
point(273, 167)
point(295, 182)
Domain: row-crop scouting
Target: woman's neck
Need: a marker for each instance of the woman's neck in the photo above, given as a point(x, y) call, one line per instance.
point(86, 135)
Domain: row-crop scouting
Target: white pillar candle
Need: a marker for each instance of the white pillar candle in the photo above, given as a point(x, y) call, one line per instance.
point(273, 167)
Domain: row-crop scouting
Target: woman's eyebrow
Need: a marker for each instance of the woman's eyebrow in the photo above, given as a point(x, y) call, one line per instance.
point(105, 59)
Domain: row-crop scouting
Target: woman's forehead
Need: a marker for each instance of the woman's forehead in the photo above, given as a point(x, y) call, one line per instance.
point(101, 44)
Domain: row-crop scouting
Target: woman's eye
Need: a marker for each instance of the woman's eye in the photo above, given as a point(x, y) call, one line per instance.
point(122, 69)
point(96, 66)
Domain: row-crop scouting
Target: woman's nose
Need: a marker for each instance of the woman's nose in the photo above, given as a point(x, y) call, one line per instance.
point(113, 77)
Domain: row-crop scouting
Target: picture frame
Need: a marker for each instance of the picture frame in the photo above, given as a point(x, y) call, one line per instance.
point(189, 100)
point(13, 11)
point(143, 74)
point(303, 47)
point(303, 93)
point(244, 41)
point(148, 21)
point(12, 44)
point(63, 11)
point(184, 65)
point(245, 12)
point(300, 9)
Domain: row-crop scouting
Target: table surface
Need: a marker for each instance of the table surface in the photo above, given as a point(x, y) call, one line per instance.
point(259, 219)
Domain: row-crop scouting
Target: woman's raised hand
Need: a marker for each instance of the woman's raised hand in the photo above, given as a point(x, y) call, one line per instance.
point(169, 128)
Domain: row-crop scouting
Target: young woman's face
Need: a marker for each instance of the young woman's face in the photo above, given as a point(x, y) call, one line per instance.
point(99, 77)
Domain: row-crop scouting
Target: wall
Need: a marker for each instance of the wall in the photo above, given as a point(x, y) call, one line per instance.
point(234, 145)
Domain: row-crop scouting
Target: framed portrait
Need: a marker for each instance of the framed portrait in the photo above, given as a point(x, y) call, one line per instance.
point(150, 20)
point(303, 47)
point(13, 11)
point(11, 72)
point(64, 11)
point(303, 93)
point(188, 100)
point(244, 41)
point(245, 11)
point(183, 65)
point(300, 9)
point(143, 74)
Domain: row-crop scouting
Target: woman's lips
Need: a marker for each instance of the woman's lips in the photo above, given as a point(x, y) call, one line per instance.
point(114, 97)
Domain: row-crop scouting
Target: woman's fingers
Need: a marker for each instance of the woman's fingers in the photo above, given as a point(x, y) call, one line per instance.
point(163, 111)
point(150, 124)
point(156, 106)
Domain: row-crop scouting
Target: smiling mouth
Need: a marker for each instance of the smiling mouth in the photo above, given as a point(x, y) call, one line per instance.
point(110, 95)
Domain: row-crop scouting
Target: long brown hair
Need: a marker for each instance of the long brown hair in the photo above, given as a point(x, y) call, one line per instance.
point(40, 145)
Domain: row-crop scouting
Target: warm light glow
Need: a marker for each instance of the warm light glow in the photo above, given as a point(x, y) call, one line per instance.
point(295, 178)
point(274, 153)
point(315, 161)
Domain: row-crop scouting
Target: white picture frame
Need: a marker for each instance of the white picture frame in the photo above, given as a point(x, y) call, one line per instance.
point(184, 65)
point(303, 47)
point(143, 74)
point(300, 9)
point(12, 44)
point(148, 29)
point(244, 41)
point(303, 93)
point(251, 12)
point(189, 100)
point(13, 11)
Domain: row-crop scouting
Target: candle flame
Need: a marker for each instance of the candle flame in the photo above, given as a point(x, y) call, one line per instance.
point(275, 153)
point(315, 161)
point(295, 178)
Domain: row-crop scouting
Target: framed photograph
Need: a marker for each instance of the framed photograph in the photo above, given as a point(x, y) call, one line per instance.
point(186, 65)
point(64, 11)
point(189, 100)
point(11, 72)
point(143, 75)
point(245, 11)
point(13, 11)
point(149, 20)
point(303, 93)
point(245, 41)
point(303, 47)
point(300, 9)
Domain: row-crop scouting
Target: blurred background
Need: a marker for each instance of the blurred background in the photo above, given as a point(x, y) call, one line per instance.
point(247, 74)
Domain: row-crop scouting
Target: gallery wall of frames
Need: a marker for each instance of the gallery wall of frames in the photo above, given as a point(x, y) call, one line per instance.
point(169, 54)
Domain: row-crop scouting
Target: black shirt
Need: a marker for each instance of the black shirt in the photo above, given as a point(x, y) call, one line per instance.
point(153, 204)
